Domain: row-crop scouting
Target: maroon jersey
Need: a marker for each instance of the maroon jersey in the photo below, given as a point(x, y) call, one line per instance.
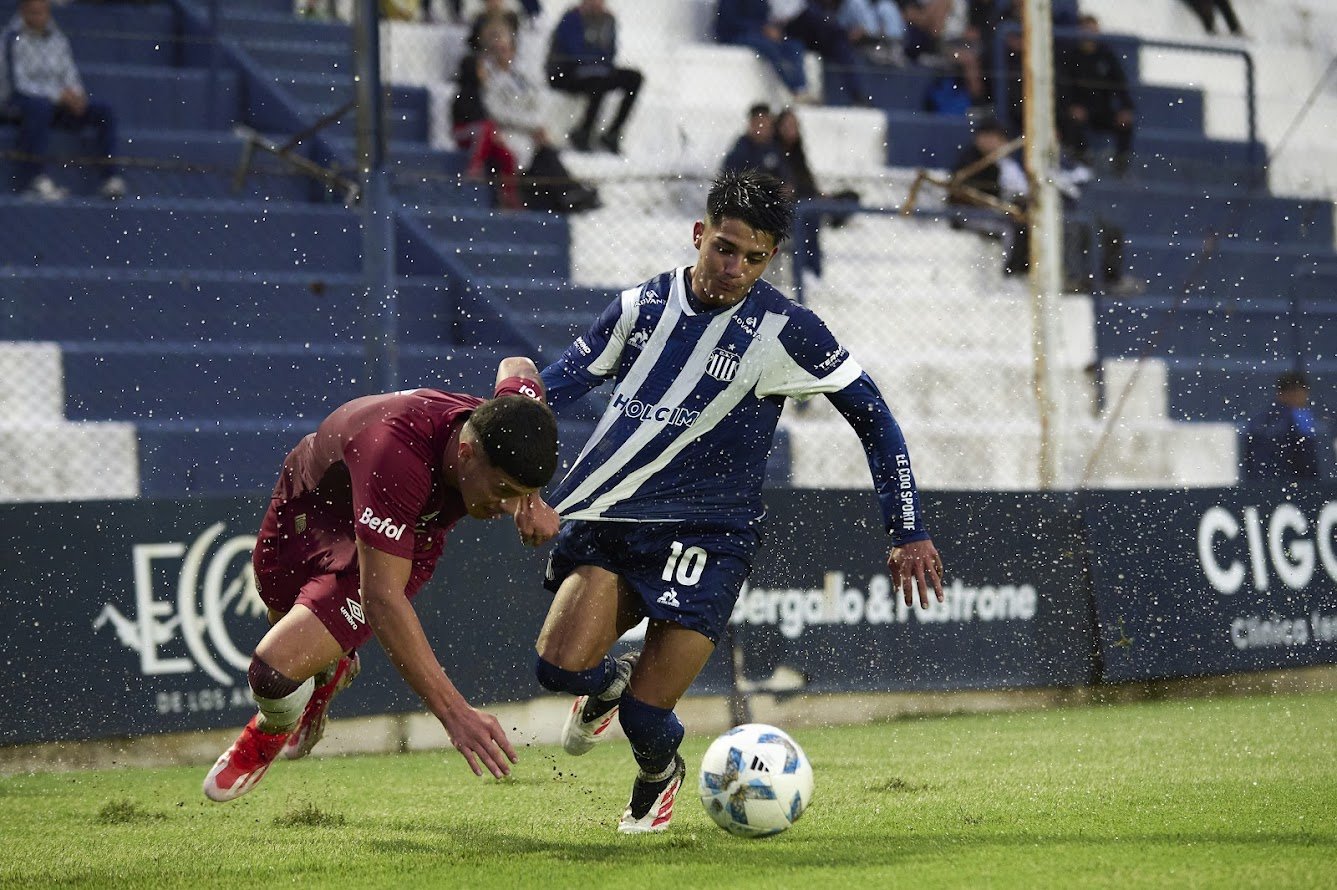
point(372, 472)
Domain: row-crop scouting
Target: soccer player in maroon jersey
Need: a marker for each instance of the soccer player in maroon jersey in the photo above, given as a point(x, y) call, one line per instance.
point(357, 522)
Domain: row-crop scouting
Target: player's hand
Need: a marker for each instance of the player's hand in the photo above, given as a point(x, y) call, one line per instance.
point(916, 565)
point(480, 739)
point(536, 521)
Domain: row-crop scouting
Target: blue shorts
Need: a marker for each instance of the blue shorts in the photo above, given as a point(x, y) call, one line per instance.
point(687, 573)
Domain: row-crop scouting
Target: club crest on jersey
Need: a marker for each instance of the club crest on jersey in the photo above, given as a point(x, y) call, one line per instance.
point(722, 365)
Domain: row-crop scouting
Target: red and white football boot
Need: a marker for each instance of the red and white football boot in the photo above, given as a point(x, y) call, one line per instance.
point(311, 728)
point(591, 716)
point(243, 765)
point(651, 806)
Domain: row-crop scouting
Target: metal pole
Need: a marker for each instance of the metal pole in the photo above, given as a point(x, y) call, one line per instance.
point(381, 313)
point(1046, 230)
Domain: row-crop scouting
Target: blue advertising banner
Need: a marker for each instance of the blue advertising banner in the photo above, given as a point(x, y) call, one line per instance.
point(134, 617)
point(819, 612)
point(1213, 581)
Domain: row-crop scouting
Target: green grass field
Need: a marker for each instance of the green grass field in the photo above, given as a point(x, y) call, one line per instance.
point(1210, 793)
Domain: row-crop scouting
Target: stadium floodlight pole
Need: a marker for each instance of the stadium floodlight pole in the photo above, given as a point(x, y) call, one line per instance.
point(1041, 153)
point(380, 309)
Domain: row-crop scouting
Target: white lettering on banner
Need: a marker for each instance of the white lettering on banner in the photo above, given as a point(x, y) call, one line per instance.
point(1254, 632)
point(1287, 547)
point(795, 610)
point(199, 612)
point(384, 526)
point(1261, 633)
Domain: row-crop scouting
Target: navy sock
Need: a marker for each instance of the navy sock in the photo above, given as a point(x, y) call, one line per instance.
point(590, 682)
point(654, 733)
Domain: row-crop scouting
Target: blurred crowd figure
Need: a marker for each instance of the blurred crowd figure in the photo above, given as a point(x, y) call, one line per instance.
point(1289, 439)
point(582, 61)
point(532, 8)
point(498, 116)
point(773, 143)
point(781, 31)
point(1004, 180)
point(1092, 96)
point(40, 90)
point(1206, 11)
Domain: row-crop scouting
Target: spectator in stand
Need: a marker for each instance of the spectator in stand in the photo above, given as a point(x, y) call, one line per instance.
point(797, 174)
point(779, 31)
point(1004, 180)
point(531, 8)
point(1092, 96)
point(581, 60)
point(940, 32)
point(1206, 11)
point(875, 27)
point(806, 22)
point(489, 156)
point(516, 104)
point(756, 149)
point(750, 23)
point(1289, 440)
point(493, 10)
point(41, 87)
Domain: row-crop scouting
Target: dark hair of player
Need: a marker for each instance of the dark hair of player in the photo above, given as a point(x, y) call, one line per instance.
point(519, 437)
point(753, 197)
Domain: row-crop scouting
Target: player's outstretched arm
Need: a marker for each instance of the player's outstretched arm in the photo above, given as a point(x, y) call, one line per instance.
point(916, 565)
point(476, 735)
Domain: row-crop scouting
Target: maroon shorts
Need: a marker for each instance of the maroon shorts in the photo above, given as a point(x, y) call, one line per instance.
point(333, 597)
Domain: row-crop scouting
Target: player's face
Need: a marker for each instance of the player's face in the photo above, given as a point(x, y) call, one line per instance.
point(487, 491)
point(731, 256)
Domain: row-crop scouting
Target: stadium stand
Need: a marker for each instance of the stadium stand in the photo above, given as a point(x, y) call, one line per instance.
point(199, 329)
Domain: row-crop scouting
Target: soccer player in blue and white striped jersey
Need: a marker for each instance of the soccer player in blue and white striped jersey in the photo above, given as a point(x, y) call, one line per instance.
point(662, 511)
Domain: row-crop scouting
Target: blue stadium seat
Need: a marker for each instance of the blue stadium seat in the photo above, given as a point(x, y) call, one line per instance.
point(199, 235)
point(1166, 209)
point(1188, 327)
point(1231, 391)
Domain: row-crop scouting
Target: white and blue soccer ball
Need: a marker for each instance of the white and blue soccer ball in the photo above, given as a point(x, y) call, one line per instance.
point(755, 780)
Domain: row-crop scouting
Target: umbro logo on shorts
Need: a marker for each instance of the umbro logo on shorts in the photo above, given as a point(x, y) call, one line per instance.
point(352, 612)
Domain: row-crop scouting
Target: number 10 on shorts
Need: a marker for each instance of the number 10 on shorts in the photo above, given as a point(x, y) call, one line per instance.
point(684, 565)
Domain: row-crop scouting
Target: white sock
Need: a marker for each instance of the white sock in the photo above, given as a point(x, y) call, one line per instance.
point(282, 714)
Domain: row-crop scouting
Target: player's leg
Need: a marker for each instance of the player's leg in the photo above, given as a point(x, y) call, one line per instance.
point(688, 582)
point(591, 610)
point(317, 629)
point(281, 677)
point(672, 657)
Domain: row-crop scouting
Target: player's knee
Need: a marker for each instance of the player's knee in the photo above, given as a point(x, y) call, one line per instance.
point(587, 682)
point(654, 732)
point(281, 699)
point(267, 682)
